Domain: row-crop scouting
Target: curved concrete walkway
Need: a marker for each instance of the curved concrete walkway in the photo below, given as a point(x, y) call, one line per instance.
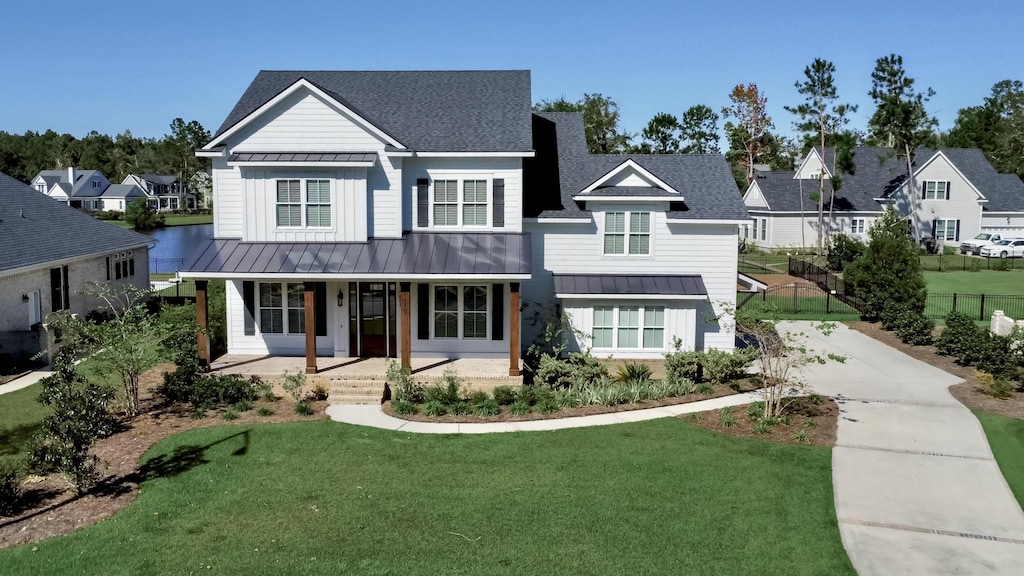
point(375, 417)
point(917, 490)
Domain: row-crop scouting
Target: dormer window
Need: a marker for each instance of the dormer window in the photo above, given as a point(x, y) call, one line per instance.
point(637, 241)
point(292, 204)
point(95, 184)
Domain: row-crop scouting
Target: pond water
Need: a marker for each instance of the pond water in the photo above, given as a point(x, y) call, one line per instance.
point(175, 245)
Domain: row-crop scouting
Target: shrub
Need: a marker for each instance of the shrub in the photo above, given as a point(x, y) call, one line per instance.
point(230, 414)
point(447, 389)
point(802, 436)
point(763, 426)
point(844, 250)
point(10, 488)
point(1002, 265)
point(402, 407)
point(263, 389)
point(403, 387)
point(720, 367)
point(999, 356)
point(725, 417)
point(142, 216)
point(959, 338)
point(682, 365)
point(264, 411)
point(755, 410)
point(579, 366)
point(705, 388)
point(478, 397)
point(889, 270)
point(294, 382)
point(913, 328)
point(567, 398)
point(546, 404)
point(434, 408)
point(487, 408)
point(460, 408)
point(634, 372)
point(303, 408)
point(504, 395)
point(519, 408)
point(553, 372)
point(243, 405)
point(319, 393)
point(208, 390)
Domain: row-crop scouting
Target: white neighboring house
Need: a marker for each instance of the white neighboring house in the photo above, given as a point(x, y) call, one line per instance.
point(77, 188)
point(117, 197)
point(164, 191)
point(361, 214)
point(50, 253)
point(957, 195)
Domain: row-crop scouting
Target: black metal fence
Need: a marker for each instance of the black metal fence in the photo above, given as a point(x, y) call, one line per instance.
point(165, 265)
point(977, 306)
point(963, 262)
point(797, 300)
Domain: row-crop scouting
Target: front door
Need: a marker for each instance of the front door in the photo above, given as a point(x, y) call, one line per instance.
point(373, 328)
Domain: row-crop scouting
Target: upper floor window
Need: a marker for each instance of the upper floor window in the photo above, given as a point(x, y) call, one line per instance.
point(95, 184)
point(317, 203)
point(41, 188)
point(460, 203)
point(936, 190)
point(857, 225)
point(638, 238)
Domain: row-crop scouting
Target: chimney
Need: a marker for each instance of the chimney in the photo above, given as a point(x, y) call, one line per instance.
point(71, 175)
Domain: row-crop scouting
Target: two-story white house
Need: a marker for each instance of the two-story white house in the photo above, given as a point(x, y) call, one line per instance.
point(382, 214)
point(957, 194)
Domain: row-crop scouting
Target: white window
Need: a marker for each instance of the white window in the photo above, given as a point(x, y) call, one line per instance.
point(291, 208)
point(629, 327)
point(857, 225)
point(764, 229)
point(460, 312)
point(638, 239)
point(41, 188)
point(935, 190)
point(755, 228)
point(460, 202)
point(124, 265)
point(278, 302)
point(946, 229)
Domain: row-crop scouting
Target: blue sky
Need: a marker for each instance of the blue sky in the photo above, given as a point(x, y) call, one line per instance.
point(113, 65)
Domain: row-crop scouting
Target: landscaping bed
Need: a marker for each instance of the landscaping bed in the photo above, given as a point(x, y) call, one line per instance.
point(51, 507)
point(816, 416)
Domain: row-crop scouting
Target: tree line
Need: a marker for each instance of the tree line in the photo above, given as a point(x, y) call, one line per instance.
point(22, 156)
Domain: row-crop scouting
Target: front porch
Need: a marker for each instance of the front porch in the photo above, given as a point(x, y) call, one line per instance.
point(361, 380)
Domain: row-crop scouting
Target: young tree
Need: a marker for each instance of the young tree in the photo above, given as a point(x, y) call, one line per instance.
point(901, 120)
point(141, 215)
point(819, 116)
point(752, 124)
point(887, 277)
point(699, 128)
point(660, 136)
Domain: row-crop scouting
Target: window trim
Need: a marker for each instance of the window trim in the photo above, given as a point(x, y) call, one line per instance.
point(627, 233)
point(303, 202)
point(641, 327)
point(863, 225)
point(284, 308)
point(460, 199)
point(461, 312)
point(946, 229)
point(935, 192)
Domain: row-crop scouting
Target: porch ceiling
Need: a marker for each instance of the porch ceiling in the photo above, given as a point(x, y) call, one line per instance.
point(415, 255)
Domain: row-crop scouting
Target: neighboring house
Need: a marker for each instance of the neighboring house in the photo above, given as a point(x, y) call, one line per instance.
point(957, 194)
point(77, 188)
point(50, 253)
point(382, 214)
point(164, 191)
point(117, 197)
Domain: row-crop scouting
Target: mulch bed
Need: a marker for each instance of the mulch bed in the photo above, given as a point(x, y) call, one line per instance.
point(744, 385)
point(968, 392)
point(53, 509)
point(773, 280)
point(825, 416)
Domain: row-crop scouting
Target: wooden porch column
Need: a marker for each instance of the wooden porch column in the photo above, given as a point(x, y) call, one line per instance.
point(405, 313)
point(513, 330)
point(309, 300)
point(202, 315)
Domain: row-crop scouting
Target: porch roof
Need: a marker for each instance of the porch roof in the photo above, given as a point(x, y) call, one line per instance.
point(413, 256)
point(687, 286)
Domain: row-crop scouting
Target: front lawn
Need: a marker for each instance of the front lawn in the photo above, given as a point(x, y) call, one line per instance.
point(1006, 437)
point(980, 282)
point(20, 418)
point(328, 498)
point(173, 220)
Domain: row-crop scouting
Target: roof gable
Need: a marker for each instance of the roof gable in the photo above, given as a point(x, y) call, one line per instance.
point(812, 165)
point(941, 157)
point(629, 175)
point(754, 198)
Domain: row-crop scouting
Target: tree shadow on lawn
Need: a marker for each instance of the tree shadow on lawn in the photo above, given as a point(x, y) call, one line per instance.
point(180, 460)
point(13, 440)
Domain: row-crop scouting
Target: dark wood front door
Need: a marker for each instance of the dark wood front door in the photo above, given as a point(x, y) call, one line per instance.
point(375, 319)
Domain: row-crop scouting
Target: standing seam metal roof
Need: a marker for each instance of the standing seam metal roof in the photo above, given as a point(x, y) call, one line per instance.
point(607, 284)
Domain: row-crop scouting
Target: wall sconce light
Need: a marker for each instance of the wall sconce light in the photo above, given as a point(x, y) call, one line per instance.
point(24, 297)
point(341, 297)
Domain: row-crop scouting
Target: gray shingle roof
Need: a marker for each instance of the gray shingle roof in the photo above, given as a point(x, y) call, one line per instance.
point(413, 254)
point(159, 178)
point(122, 191)
point(626, 191)
point(606, 284)
point(438, 111)
point(1005, 192)
point(303, 157)
point(704, 180)
point(35, 229)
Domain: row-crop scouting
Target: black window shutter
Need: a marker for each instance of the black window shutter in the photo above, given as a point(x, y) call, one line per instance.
point(423, 311)
point(498, 217)
point(957, 231)
point(934, 226)
point(497, 311)
point(108, 268)
point(131, 266)
point(422, 202)
point(66, 292)
point(249, 298)
point(947, 190)
point(55, 296)
point(320, 305)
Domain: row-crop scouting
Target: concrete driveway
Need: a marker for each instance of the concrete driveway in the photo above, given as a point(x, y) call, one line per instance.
point(916, 487)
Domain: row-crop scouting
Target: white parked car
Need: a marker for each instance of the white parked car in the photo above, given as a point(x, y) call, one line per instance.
point(974, 245)
point(1008, 248)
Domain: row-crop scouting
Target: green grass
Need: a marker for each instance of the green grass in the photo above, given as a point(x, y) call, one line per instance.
point(980, 282)
point(1006, 437)
point(173, 220)
point(328, 498)
point(20, 418)
point(783, 306)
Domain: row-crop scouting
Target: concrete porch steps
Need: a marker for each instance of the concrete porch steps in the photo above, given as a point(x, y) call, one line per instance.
point(356, 391)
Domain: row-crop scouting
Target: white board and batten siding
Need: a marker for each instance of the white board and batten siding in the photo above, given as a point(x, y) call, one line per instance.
point(348, 206)
point(273, 344)
point(508, 169)
point(682, 247)
point(227, 200)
